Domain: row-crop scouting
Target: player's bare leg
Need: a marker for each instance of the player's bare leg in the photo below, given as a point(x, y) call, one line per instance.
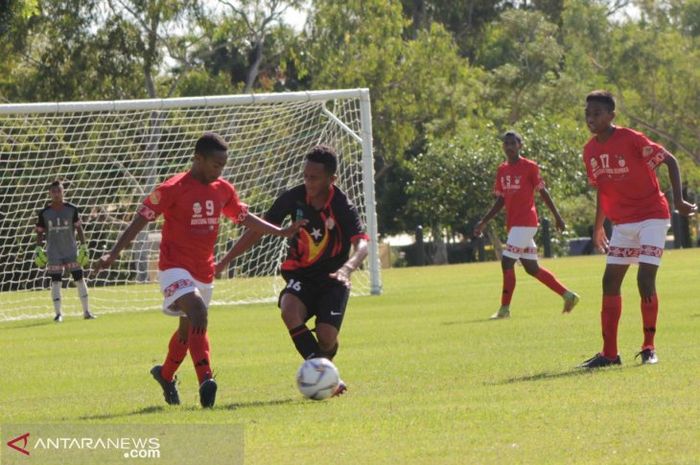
point(544, 276)
point(294, 318)
point(646, 283)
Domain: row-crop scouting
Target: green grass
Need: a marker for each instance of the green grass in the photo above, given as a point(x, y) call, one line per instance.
point(431, 380)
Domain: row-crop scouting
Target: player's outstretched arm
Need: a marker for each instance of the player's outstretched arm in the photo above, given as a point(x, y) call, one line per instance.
point(245, 242)
point(259, 225)
point(674, 174)
point(544, 193)
point(106, 260)
point(361, 250)
point(497, 206)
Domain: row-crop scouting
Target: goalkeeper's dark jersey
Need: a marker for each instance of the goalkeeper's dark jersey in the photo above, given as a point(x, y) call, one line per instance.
point(323, 245)
point(59, 226)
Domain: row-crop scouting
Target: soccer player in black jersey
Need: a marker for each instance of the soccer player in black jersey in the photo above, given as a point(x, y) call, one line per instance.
point(319, 262)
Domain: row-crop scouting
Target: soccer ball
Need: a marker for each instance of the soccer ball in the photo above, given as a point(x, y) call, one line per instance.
point(317, 378)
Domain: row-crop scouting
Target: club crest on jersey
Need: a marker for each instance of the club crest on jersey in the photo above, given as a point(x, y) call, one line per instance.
point(196, 209)
point(330, 223)
point(154, 197)
point(620, 161)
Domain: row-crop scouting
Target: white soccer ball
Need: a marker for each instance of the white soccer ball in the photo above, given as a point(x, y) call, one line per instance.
point(317, 378)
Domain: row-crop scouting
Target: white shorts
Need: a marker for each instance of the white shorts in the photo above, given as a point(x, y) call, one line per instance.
point(176, 282)
point(521, 243)
point(641, 242)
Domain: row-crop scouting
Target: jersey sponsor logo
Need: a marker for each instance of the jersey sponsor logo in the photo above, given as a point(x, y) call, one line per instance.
point(510, 183)
point(603, 166)
point(177, 285)
point(154, 197)
point(336, 313)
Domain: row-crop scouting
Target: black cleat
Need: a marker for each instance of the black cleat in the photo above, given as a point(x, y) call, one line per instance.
point(207, 393)
point(58, 318)
point(89, 316)
point(600, 361)
point(169, 387)
point(648, 357)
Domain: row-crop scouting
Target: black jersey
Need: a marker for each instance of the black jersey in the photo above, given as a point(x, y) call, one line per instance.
point(323, 245)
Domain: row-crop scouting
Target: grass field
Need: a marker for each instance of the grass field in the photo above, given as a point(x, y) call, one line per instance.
point(431, 380)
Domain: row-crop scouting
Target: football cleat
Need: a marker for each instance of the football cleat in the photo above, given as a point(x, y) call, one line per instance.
point(341, 389)
point(58, 318)
point(600, 361)
point(648, 356)
point(169, 388)
point(89, 316)
point(570, 301)
point(503, 312)
point(207, 393)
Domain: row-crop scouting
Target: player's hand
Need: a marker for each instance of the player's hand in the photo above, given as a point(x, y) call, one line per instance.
point(686, 208)
point(83, 256)
point(40, 258)
point(220, 268)
point(292, 229)
point(561, 226)
point(478, 229)
point(105, 261)
point(343, 276)
point(600, 240)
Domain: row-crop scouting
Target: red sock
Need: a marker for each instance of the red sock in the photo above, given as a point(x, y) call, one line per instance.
point(177, 350)
point(548, 279)
point(650, 310)
point(609, 320)
point(199, 351)
point(508, 286)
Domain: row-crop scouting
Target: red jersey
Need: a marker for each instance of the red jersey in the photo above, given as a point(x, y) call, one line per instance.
point(622, 169)
point(191, 211)
point(517, 183)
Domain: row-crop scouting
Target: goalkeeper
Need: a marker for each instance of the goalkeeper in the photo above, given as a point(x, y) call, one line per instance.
point(56, 227)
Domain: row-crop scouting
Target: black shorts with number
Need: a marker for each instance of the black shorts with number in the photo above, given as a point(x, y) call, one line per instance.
point(324, 298)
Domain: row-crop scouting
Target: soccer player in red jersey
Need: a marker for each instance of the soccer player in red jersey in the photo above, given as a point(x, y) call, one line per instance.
point(621, 166)
point(517, 180)
point(318, 265)
point(191, 204)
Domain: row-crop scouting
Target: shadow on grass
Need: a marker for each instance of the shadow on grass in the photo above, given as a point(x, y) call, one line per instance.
point(27, 325)
point(545, 375)
point(256, 403)
point(109, 416)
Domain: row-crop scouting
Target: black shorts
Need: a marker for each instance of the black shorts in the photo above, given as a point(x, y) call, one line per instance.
point(326, 298)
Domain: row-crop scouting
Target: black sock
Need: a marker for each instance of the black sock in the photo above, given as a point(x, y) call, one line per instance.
point(305, 342)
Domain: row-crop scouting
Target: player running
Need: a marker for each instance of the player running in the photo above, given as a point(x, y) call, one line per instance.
point(318, 265)
point(191, 204)
point(621, 165)
point(57, 226)
point(517, 179)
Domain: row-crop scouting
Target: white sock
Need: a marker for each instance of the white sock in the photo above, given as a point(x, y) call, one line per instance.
point(83, 294)
point(56, 296)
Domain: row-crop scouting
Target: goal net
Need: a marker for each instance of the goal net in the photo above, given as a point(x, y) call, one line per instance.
point(111, 155)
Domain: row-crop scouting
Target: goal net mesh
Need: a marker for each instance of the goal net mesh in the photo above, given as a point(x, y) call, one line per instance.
point(110, 160)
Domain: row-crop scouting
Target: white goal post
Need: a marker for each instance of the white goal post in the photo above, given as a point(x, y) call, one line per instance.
point(111, 154)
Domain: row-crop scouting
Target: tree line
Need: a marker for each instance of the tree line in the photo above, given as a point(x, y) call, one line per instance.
point(447, 77)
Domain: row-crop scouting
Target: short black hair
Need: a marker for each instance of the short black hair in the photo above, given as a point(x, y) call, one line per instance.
point(210, 143)
point(512, 134)
point(325, 155)
point(56, 183)
point(602, 96)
